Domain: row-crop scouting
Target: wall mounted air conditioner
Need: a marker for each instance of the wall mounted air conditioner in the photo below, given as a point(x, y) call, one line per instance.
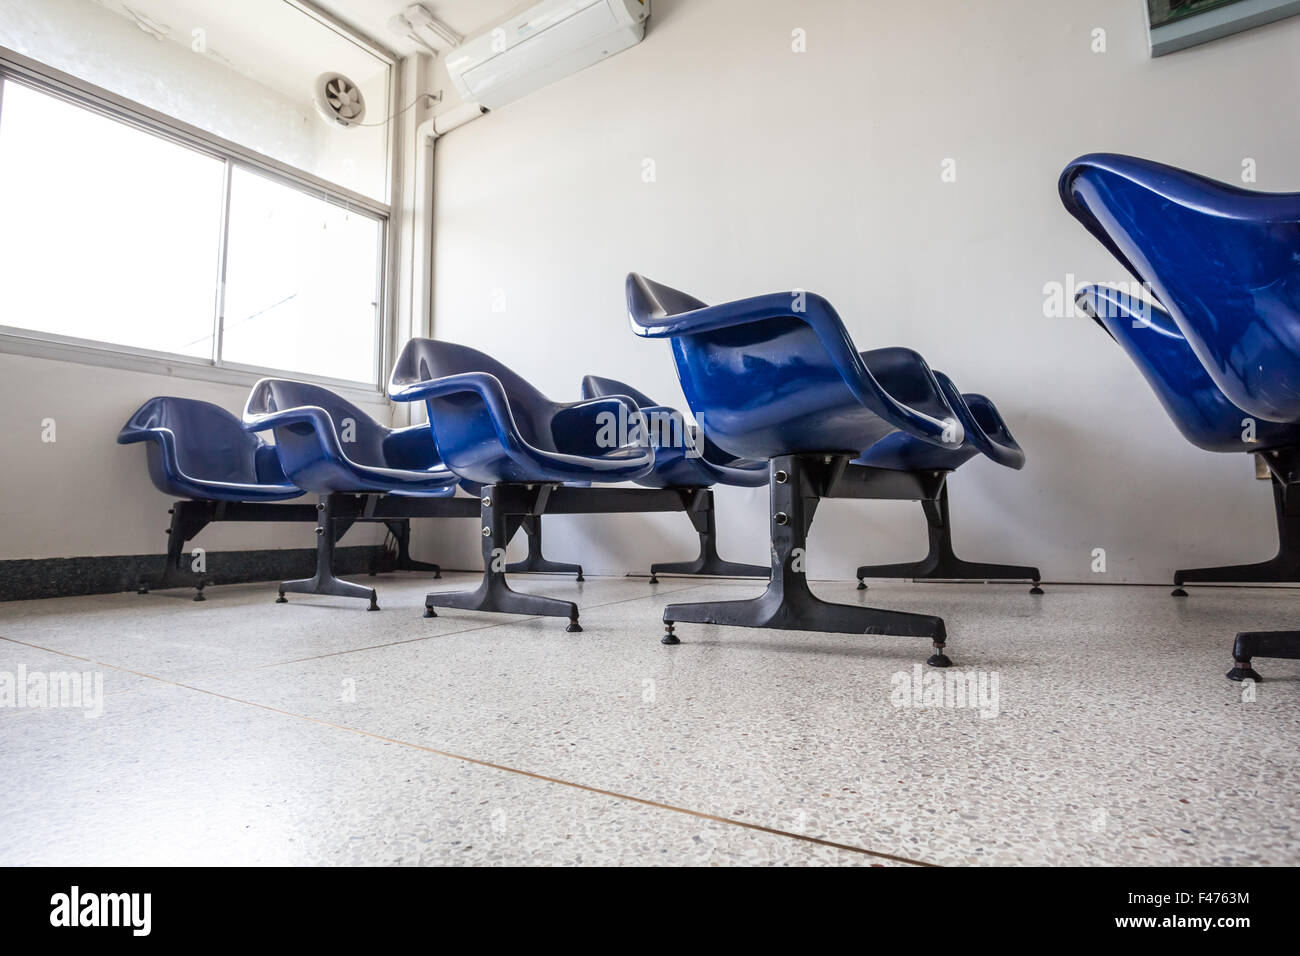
point(548, 40)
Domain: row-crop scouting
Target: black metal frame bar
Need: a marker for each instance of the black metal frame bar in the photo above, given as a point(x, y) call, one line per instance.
point(336, 513)
point(191, 516)
point(940, 562)
point(503, 509)
point(798, 485)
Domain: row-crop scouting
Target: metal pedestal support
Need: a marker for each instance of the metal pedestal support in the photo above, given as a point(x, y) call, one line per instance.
point(1282, 568)
point(798, 484)
point(337, 512)
point(505, 507)
point(192, 516)
point(704, 517)
point(941, 563)
point(536, 563)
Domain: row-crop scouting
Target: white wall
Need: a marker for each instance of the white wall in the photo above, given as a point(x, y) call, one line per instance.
point(821, 170)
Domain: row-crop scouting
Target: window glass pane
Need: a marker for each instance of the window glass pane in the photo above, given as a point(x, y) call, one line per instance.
point(106, 232)
point(244, 70)
point(302, 280)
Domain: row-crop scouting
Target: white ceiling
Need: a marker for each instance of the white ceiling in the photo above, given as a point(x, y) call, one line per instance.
point(277, 45)
point(462, 16)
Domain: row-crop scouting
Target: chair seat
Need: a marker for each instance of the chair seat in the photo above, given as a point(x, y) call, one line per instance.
point(1198, 407)
point(326, 444)
point(199, 450)
point(778, 375)
point(681, 460)
point(490, 426)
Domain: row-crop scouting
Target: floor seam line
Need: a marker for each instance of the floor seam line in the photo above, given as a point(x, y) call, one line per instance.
point(643, 801)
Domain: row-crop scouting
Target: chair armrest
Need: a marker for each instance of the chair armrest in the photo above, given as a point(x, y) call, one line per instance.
point(482, 384)
point(260, 415)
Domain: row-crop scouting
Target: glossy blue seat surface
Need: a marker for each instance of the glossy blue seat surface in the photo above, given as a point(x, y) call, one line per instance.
point(985, 433)
point(326, 444)
point(491, 426)
point(1224, 262)
point(200, 450)
point(778, 374)
point(1205, 416)
point(678, 462)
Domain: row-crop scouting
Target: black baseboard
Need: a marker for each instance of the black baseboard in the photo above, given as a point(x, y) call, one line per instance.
point(24, 580)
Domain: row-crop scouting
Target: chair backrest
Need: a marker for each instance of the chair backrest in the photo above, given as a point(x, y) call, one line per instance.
point(768, 386)
point(210, 442)
point(1224, 261)
point(362, 437)
point(425, 359)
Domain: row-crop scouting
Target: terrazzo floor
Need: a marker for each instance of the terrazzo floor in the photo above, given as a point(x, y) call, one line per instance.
point(241, 731)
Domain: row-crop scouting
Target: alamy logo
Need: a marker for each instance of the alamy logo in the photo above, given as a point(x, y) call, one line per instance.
point(21, 689)
point(74, 908)
point(971, 690)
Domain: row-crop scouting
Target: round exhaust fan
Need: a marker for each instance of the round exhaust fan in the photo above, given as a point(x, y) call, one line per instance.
point(339, 100)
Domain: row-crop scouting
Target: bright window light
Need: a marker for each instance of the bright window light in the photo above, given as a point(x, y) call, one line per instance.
point(109, 233)
point(302, 282)
point(112, 234)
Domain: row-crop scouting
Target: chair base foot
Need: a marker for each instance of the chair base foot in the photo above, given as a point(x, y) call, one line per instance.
point(496, 596)
point(862, 585)
point(574, 627)
point(1178, 592)
point(799, 610)
point(939, 658)
point(1036, 590)
point(669, 637)
point(544, 566)
point(1251, 644)
point(430, 612)
point(709, 567)
point(330, 586)
point(1243, 671)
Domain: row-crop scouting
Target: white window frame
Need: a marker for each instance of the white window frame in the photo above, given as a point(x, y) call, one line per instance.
point(22, 69)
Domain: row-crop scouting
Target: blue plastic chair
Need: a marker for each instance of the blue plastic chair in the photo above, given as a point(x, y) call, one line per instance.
point(1221, 259)
point(199, 450)
point(329, 446)
point(494, 429)
point(688, 462)
point(777, 377)
point(199, 453)
point(985, 433)
point(1221, 262)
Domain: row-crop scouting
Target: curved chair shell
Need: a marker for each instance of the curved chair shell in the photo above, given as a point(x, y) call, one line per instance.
point(200, 450)
point(326, 444)
point(1221, 259)
point(1198, 407)
point(491, 426)
point(674, 468)
point(778, 374)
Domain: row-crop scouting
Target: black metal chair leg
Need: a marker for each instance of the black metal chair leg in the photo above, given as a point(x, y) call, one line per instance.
point(494, 594)
point(536, 562)
point(709, 562)
point(324, 581)
point(788, 603)
point(941, 563)
point(1282, 568)
point(1252, 644)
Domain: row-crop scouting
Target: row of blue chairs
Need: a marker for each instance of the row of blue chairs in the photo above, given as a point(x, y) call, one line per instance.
point(523, 456)
point(783, 397)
